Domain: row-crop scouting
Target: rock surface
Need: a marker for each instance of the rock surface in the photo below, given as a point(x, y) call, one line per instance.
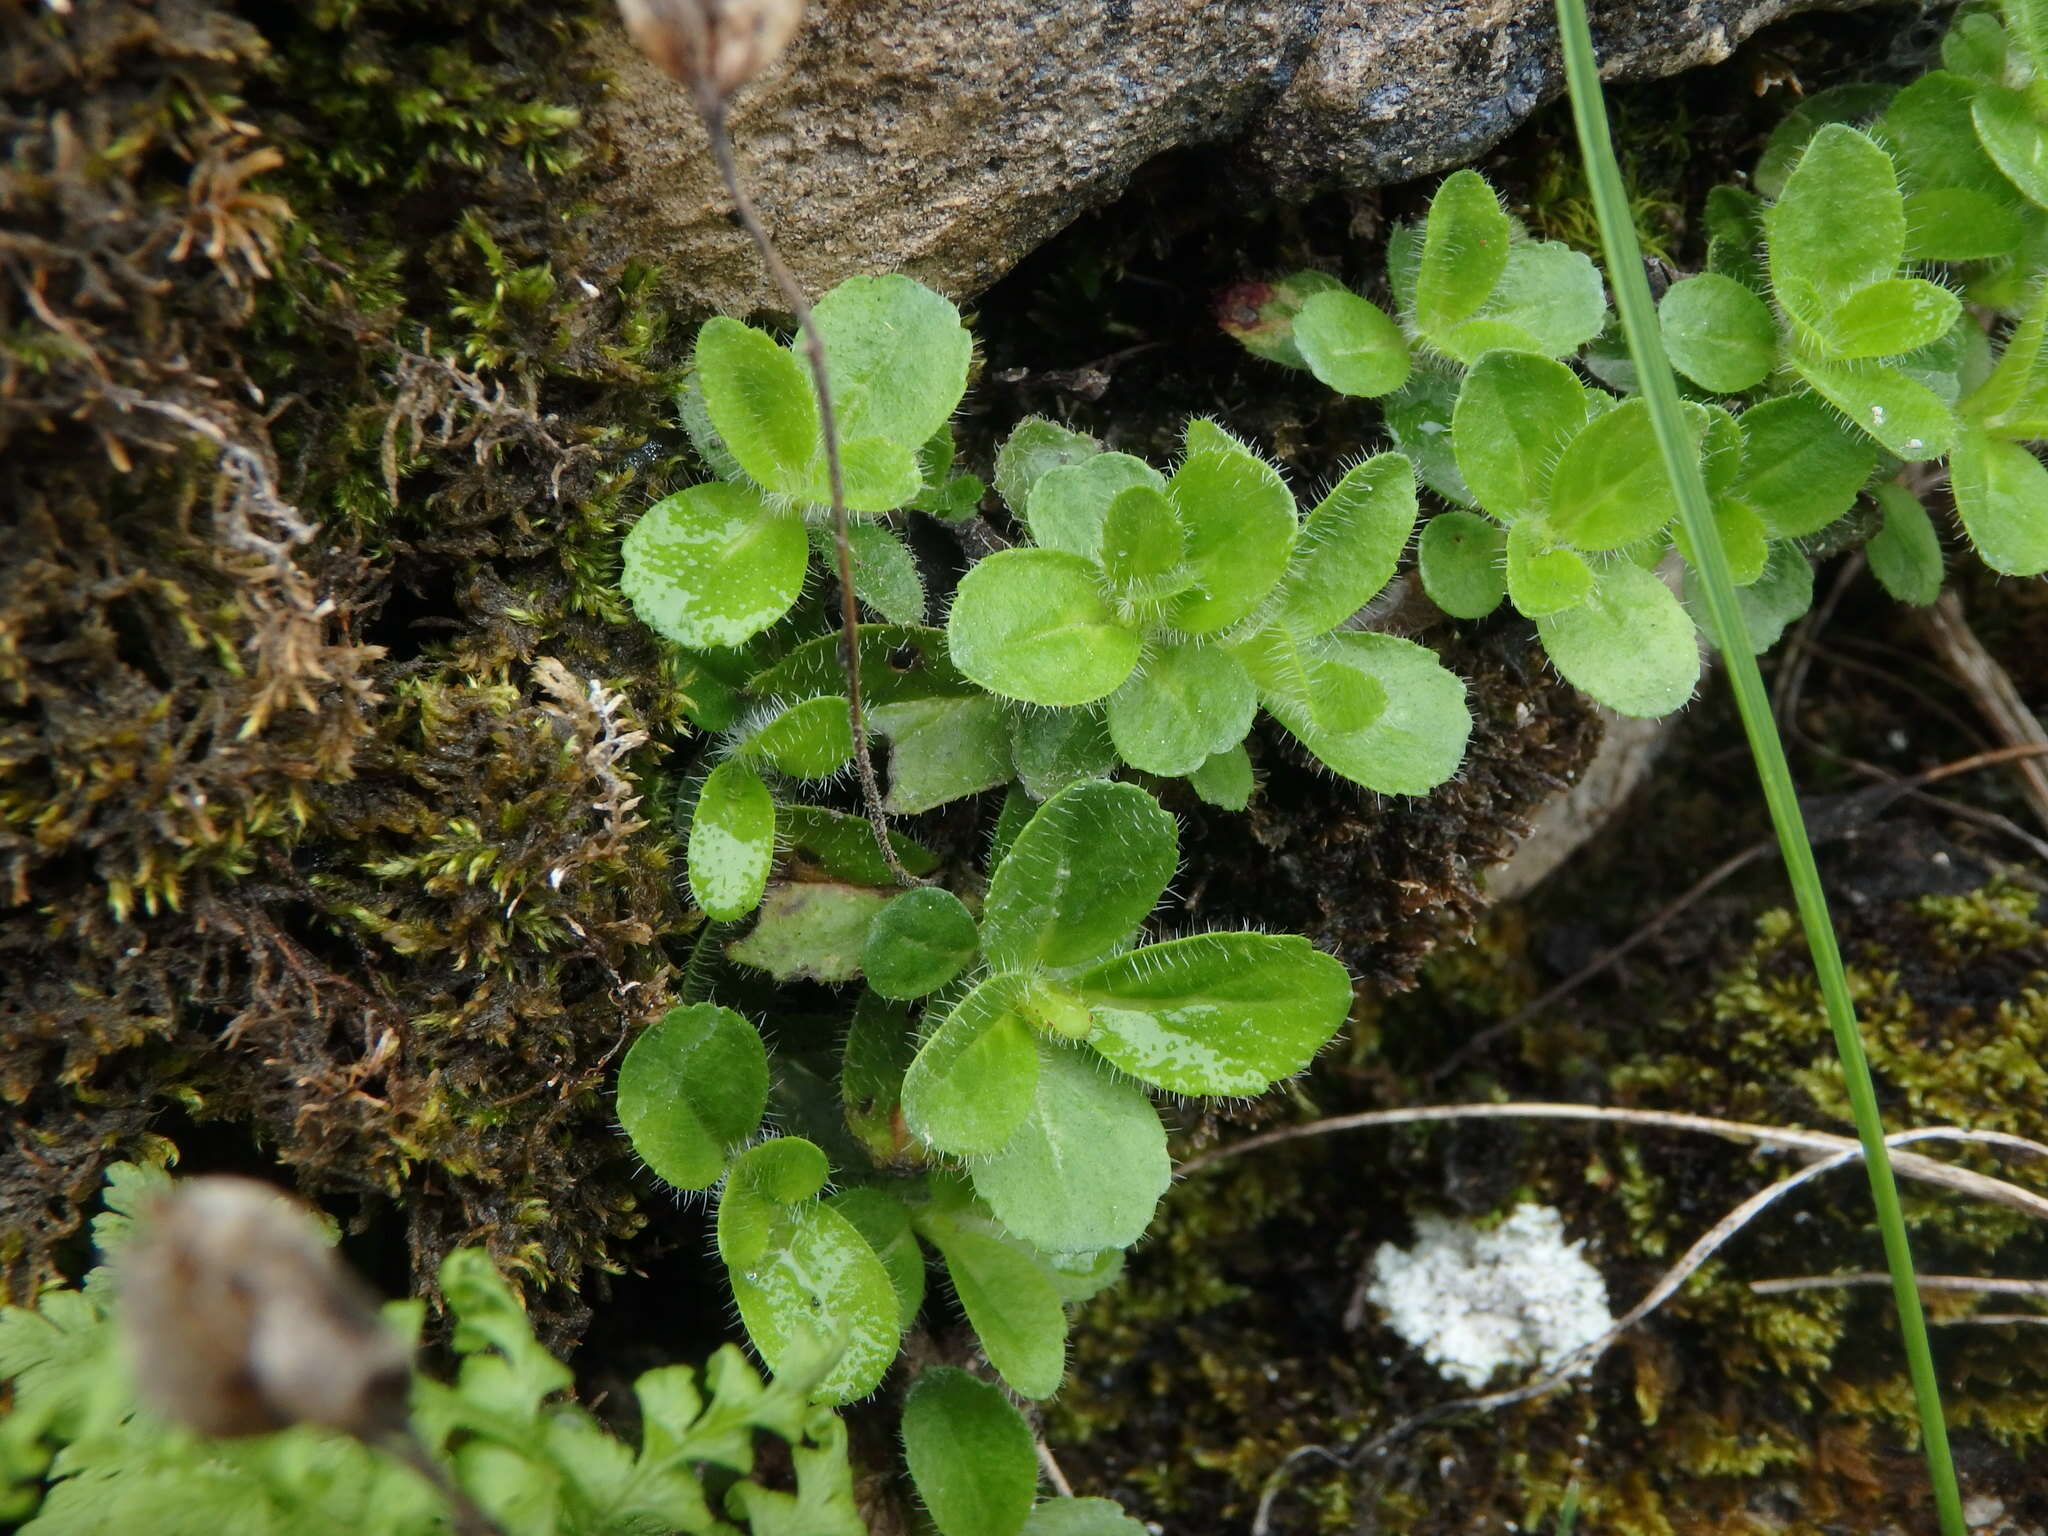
point(949, 141)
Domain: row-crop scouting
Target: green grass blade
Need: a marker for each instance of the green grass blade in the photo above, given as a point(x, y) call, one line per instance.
point(1653, 371)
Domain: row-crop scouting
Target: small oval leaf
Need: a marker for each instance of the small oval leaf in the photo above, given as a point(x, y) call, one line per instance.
point(918, 943)
point(713, 565)
point(1629, 644)
point(1032, 624)
point(732, 842)
point(971, 1454)
point(693, 1086)
point(1351, 344)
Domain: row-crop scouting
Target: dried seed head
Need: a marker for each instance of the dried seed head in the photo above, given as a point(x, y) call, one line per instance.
point(720, 44)
point(241, 1319)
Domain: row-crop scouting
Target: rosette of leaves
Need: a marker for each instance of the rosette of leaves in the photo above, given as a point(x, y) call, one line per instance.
point(717, 563)
point(1161, 611)
point(1842, 360)
point(1466, 281)
point(1037, 1055)
point(1578, 514)
point(1014, 1117)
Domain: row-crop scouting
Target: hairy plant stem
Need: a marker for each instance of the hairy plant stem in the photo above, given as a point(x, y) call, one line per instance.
point(711, 106)
point(1681, 464)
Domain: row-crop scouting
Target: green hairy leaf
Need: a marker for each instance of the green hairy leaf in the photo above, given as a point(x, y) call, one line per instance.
point(1839, 225)
point(1182, 706)
point(693, 1086)
point(1084, 872)
point(884, 571)
point(1034, 448)
point(1070, 503)
point(1143, 544)
point(970, 1453)
point(809, 740)
point(1007, 1294)
point(898, 355)
point(1225, 780)
point(713, 565)
point(1782, 593)
point(1032, 624)
point(1305, 687)
point(1240, 522)
point(1897, 315)
point(1081, 1517)
point(1464, 252)
point(1410, 744)
point(1544, 577)
point(1905, 556)
point(1219, 1013)
point(1609, 488)
point(1419, 417)
point(1462, 559)
point(1351, 344)
point(2012, 401)
point(917, 943)
point(1629, 644)
point(1800, 468)
point(1087, 1167)
point(941, 749)
point(1903, 415)
point(879, 1050)
point(1550, 295)
point(1514, 415)
point(758, 396)
point(1052, 748)
point(802, 1274)
point(732, 841)
point(844, 844)
point(1743, 540)
point(2001, 494)
point(2015, 138)
point(1719, 334)
point(1349, 547)
point(810, 931)
point(972, 1083)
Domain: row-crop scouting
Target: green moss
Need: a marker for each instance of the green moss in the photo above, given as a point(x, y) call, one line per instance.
point(320, 717)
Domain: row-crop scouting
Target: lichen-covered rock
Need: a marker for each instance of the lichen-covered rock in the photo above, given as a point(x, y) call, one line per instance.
point(949, 141)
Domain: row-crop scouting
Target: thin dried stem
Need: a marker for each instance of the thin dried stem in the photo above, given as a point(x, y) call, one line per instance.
point(1988, 1285)
point(711, 107)
point(469, 1517)
point(1928, 1170)
point(1991, 688)
point(1053, 1474)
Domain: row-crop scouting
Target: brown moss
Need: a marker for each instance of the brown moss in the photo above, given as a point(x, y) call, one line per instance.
point(316, 775)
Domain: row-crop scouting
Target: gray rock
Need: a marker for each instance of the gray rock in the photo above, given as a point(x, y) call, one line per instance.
point(947, 141)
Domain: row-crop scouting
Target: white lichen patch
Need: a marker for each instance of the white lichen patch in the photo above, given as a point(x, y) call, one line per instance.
point(1474, 1300)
